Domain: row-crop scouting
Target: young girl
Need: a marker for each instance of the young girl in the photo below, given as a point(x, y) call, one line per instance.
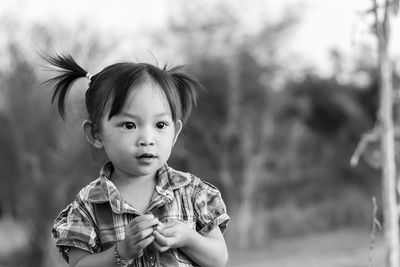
point(140, 211)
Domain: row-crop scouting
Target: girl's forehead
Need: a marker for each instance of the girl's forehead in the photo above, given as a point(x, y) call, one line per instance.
point(147, 97)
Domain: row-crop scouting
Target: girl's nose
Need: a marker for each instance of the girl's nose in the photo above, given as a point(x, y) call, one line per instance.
point(146, 138)
point(145, 142)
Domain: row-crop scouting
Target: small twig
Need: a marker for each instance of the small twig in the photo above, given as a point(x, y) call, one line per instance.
point(369, 137)
point(375, 225)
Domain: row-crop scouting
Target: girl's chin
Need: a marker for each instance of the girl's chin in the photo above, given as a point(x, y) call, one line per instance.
point(144, 162)
point(147, 168)
point(143, 167)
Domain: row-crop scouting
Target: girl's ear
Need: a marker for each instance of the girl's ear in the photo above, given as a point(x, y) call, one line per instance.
point(92, 134)
point(178, 129)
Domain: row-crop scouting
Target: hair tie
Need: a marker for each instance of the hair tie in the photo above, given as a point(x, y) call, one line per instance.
point(88, 76)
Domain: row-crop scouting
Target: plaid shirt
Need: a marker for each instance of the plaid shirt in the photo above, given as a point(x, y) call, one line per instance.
point(96, 219)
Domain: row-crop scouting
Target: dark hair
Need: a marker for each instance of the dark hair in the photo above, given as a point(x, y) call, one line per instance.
point(113, 84)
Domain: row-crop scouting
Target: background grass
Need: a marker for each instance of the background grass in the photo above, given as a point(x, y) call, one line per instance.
point(340, 248)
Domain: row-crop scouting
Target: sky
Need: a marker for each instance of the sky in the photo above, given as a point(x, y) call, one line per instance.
point(324, 24)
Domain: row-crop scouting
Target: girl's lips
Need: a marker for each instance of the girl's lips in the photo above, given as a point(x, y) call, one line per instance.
point(146, 159)
point(146, 156)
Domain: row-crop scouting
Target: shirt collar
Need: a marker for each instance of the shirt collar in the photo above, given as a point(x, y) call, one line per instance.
point(104, 190)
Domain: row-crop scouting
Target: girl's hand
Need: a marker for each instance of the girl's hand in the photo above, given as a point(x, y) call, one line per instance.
point(174, 234)
point(138, 235)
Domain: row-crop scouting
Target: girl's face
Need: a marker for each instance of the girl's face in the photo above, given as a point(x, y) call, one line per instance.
point(138, 140)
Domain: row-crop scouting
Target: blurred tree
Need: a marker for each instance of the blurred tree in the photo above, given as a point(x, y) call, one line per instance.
point(381, 139)
point(386, 129)
point(25, 182)
point(258, 138)
point(42, 158)
point(235, 120)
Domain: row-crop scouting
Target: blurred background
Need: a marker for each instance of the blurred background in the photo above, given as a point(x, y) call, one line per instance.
point(291, 87)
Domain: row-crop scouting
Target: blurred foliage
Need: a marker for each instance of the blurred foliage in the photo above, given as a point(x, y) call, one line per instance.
point(279, 152)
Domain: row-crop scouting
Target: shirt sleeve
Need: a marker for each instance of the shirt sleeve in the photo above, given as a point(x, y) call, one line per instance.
point(209, 208)
point(75, 227)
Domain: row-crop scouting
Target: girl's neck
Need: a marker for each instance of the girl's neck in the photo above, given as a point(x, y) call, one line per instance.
point(137, 191)
point(125, 180)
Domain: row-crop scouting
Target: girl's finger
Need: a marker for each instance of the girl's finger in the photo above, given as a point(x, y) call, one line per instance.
point(160, 225)
point(141, 235)
point(158, 247)
point(160, 239)
point(168, 224)
point(166, 232)
point(145, 242)
point(141, 225)
point(139, 247)
point(140, 218)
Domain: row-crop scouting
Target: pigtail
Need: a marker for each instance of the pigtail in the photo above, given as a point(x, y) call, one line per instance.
point(69, 71)
point(187, 88)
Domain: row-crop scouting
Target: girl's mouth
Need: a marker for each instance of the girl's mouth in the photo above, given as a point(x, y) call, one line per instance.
point(146, 156)
point(146, 159)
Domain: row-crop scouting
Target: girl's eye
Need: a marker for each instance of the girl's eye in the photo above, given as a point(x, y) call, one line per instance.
point(129, 125)
point(161, 125)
